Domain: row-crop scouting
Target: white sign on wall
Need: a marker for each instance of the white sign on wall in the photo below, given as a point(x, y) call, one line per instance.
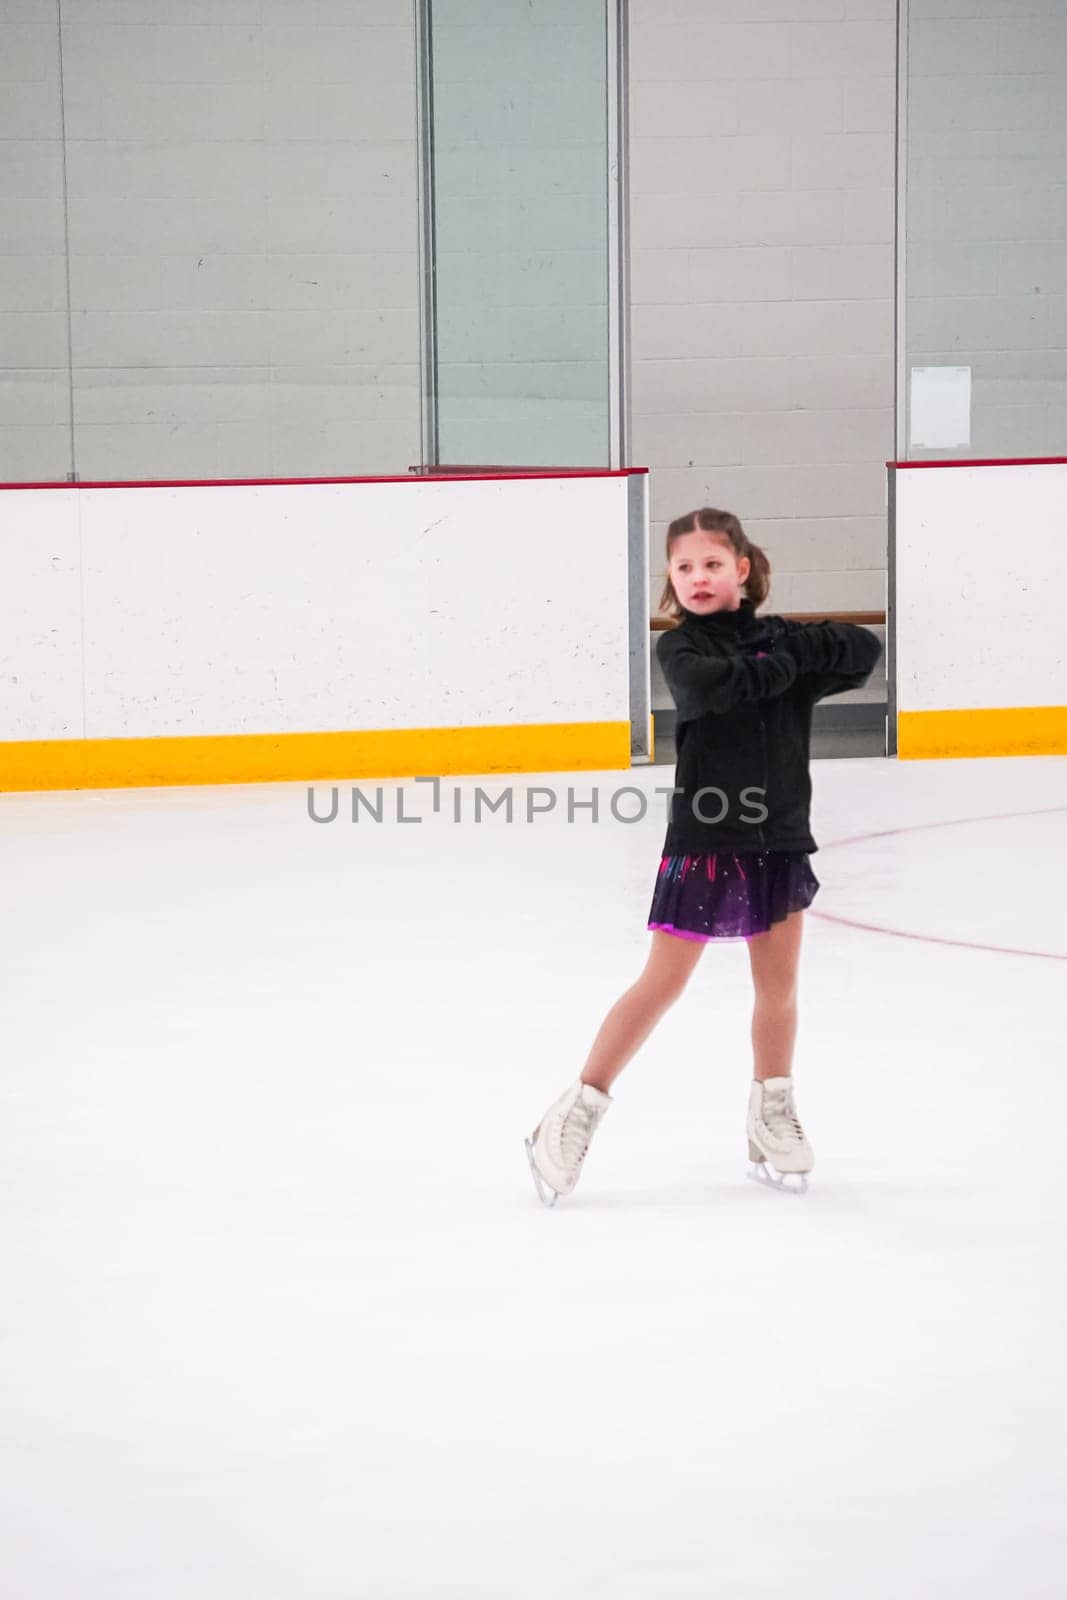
point(940, 407)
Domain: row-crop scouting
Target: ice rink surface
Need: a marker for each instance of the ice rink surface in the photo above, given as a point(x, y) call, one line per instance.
point(283, 1318)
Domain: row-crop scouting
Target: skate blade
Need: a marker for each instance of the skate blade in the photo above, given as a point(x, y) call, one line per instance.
point(759, 1172)
point(546, 1195)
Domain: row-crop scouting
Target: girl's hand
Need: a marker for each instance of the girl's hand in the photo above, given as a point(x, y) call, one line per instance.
point(762, 647)
point(843, 650)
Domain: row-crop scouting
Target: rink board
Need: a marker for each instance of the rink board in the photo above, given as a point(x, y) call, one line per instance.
point(196, 633)
point(980, 567)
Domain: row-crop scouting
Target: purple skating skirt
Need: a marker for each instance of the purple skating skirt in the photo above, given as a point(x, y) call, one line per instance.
point(724, 896)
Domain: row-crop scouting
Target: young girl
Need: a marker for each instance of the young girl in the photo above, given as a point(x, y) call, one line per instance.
point(736, 859)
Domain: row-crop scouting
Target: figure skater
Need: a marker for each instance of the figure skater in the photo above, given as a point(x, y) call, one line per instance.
point(736, 858)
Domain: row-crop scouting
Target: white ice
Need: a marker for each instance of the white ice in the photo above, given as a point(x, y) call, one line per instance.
point(283, 1318)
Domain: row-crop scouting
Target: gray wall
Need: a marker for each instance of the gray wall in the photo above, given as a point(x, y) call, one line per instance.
point(239, 197)
point(241, 206)
point(34, 371)
point(987, 214)
point(762, 228)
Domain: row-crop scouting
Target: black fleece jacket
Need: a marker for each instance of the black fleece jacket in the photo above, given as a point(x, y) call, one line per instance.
point(744, 686)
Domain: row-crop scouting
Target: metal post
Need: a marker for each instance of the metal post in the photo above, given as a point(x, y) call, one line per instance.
point(431, 444)
point(900, 397)
point(616, 21)
point(900, 394)
point(640, 645)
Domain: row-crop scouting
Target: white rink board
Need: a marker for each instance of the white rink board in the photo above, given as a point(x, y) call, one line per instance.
point(281, 608)
point(981, 571)
point(40, 616)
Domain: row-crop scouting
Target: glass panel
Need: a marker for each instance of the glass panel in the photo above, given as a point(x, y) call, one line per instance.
point(986, 256)
point(520, 161)
point(35, 442)
point(243, 238)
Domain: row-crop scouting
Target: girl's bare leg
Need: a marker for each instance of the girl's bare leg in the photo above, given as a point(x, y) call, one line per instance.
point(774, 957)
point(634, 1015)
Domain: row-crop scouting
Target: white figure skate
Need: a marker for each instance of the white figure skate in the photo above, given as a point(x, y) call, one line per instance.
point(775, 1135)
point(557, 1146)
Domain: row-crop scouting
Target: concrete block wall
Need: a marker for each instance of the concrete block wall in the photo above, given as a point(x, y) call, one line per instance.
point(762, 234)
point(34, 370)
point(242, 226)
point(987, 215)
point(237, 192)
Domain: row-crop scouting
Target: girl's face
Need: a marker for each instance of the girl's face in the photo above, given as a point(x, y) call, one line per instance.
point(706, 574)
